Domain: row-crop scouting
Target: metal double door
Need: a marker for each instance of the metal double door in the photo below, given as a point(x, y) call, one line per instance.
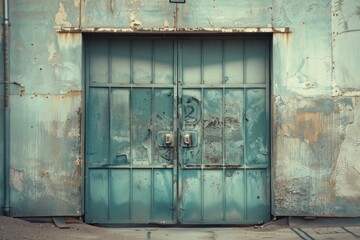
point(177, 130)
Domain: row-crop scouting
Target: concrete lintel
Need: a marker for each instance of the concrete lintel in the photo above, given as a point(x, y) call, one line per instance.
point(173, 30)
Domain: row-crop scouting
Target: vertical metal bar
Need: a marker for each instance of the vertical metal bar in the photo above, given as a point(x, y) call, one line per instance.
point(268, 121)
point(152, 147)
point(152, 195)
point(152, 126)
point(87, 94)
point(6, 126)
point(110, 123)
point(245, 129)
point(177, 79)
point(223, 128)
point(109, 101)
point(131, 102)
point(203, 129)
point(131, 131)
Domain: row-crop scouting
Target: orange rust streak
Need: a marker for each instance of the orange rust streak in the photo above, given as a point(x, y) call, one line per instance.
point(69, 37)
point(307, 126)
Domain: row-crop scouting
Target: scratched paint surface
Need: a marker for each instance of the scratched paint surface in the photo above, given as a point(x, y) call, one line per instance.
point(126, 155)
point(317, 60)
point(126, 126)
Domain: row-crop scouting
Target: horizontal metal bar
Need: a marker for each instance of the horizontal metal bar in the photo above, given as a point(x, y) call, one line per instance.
point(220, 86)
point(127, 85)
point(109, 166)
point(204, 166)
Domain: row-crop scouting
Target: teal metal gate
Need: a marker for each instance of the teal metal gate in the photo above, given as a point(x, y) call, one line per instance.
point(177, 130)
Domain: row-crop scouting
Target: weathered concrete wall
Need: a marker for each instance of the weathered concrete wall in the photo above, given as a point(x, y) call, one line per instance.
point(315, 95)
point(315, 128)
point(127, 14)
point(46, 106)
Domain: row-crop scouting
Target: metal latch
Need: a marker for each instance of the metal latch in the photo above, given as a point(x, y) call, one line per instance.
point(165, 139)
point(168, 139)
point(187, 139)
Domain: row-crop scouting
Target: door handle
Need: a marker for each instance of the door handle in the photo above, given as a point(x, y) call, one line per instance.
point(187, 139)
point(168, 139)
point(165, 139)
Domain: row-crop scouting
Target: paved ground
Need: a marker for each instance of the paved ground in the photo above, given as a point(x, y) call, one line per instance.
point(14, 229)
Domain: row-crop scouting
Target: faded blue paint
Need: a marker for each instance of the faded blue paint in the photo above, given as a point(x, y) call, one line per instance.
point(127, 14)
point(45, 170)
point(314, 65)
point(346, 32)
point(302, 59)
point(224, 14)
point(126, 120)
point(46, 68)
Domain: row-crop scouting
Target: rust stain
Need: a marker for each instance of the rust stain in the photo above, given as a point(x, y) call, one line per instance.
point(66, 38)
point(286, 37)
point(176, 18)
point(74, 92)
point(307, 126)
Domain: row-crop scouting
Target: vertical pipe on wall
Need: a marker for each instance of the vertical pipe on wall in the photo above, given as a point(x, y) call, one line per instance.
point(6, 25)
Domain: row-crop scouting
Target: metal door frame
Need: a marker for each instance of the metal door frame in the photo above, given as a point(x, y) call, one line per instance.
point(177, 103)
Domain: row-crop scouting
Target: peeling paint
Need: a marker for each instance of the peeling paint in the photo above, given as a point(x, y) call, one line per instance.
point(53, 55)
point(346, 175)
point(312, 147)
point(77, 3)
point(61, 16)
point(17, 179)
point(135, 24)
point(172, 30)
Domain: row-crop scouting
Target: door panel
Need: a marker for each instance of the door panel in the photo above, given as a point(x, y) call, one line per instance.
point(224, 177)
point(177, 130)
point(233, 126)
point(131, 175)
